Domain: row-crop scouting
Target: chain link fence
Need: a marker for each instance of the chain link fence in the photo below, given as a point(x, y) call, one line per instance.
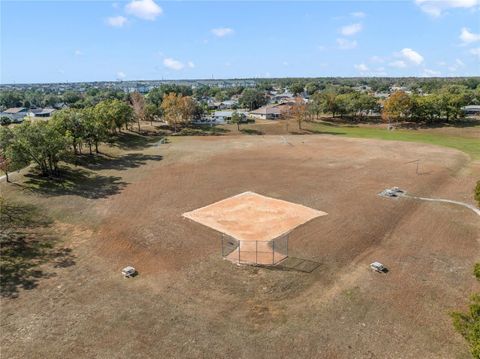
point(255, 252)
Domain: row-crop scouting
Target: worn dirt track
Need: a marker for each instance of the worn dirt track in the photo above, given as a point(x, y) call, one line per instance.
point(188, 302)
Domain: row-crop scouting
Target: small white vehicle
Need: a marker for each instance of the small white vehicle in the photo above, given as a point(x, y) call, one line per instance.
point(378, 267)
point(129, 272)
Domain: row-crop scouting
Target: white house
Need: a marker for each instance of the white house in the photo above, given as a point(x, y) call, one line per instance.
point(217, 118)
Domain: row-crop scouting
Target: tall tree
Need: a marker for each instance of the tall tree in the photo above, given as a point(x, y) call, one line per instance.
point(299, 111)
point(40, 142)
point(172, 109)
point(138, 104)
point(252, 98)
point(397, 107)
point(237, 119)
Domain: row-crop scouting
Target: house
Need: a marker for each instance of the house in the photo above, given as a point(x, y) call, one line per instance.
point(267, 112)
point(471, 109)
point(218, 118)
point(41, 112)
point(15, 114)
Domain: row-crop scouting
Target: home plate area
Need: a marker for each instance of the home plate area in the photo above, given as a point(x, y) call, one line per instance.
point(254, 228)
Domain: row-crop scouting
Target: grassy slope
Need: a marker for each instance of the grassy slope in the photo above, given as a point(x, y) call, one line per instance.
point(470, 146)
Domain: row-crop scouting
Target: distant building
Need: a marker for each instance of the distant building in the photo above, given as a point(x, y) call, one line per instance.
point(471, 110)
point(41, 112)
point(268, 112)
point(15, 114)
point(218, 118)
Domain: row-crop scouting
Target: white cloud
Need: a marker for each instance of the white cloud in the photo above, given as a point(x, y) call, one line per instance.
point(345, 44)
point(350, 30)
point(399, 64)
point(475, 52)
point(377, 59)
point(144, 9)
point(173, 64)
point(358, 14)
point(78, 53)
point(361, 67)
point(436, 8)
point(222, 31)
point(430, 73)
point(285, 63)
point(116, 21)
point(121, 75)
point(190, 64)
point(411, 56)
point(468, 37)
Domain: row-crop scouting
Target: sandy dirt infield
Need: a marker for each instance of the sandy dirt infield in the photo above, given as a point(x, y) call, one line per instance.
point(189, 303)
point(250, 216)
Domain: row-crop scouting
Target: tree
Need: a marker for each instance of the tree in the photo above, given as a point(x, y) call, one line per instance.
point(114, 114)
point(315, 106)
point(296, 88)
point(397, 107)
point(95, 129)
point(138, 104)
point(237, 118)
point(6, 138)
point(172, 109)
point(188, 108)
point(468, 324)
point(299, 111)
point(5, 121)
point(252, 98)
point(312, 87)
point(151, 112)
point(328, 102)
point(40, 142)
point(69, 123)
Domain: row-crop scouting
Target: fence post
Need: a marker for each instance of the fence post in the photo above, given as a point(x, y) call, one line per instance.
point(239, 245)
point(273, 251)
point(256, 252)
point(222, 247)
point(287, 244)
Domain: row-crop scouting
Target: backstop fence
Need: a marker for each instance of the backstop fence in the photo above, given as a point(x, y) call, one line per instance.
point(255, 252)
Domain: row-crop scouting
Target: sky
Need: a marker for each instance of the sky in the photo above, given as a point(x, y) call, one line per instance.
point(60, 41)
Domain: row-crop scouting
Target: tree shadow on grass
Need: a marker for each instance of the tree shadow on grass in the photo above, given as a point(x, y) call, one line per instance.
point(75, 181)
point(134, 141)
point(104, 162)
point(251, 131)
point(317, 132)
point(25, 243)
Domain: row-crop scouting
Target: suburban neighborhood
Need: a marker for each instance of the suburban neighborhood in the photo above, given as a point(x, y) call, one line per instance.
point(251, 180)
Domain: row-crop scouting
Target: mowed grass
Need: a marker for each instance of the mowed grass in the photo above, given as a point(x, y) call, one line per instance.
point(468, 145)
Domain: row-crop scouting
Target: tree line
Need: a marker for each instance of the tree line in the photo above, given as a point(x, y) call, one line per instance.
point(74, 131)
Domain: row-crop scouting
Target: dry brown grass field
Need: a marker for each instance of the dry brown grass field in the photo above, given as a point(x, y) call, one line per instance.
point(187, 302)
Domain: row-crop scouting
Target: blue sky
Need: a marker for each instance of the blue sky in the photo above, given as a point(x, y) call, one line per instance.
point(58, 41)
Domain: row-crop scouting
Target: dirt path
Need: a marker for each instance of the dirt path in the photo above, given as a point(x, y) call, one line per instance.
point(473, 208)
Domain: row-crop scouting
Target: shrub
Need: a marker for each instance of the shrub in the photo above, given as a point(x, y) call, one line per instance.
point(468, 324)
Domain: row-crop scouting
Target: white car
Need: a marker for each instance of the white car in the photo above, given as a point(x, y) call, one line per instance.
point(129, 272)
point(378, 267)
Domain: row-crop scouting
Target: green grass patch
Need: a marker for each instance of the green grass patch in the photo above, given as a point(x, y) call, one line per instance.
point(470, 146)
